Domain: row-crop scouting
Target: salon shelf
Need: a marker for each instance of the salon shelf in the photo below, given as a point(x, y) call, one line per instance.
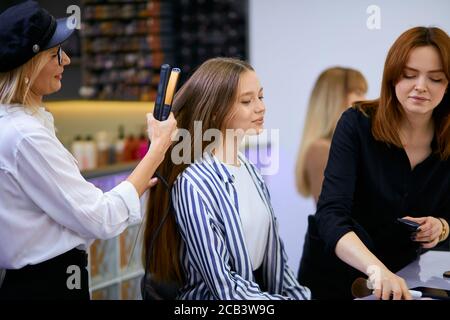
point(134, 18)
point(112, 31)
point(115, 265)
point(109, 170)
point(181, 33)
point(108, 2)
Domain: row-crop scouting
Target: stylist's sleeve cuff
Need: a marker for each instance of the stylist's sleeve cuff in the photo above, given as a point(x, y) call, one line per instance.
point(130, 197)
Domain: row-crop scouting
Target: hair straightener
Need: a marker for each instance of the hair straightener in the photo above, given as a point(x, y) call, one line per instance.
point(166, 90)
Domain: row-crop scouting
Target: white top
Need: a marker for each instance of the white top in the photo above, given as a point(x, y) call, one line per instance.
point(255, 217)
point(46, 207)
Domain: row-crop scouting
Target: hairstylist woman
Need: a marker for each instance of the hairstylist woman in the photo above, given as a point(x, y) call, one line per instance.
point(389, 159)
point(49, 214)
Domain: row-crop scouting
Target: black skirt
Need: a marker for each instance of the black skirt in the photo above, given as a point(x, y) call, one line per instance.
point(63, 277)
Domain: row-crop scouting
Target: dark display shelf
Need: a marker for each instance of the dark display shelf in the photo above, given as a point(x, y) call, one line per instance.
point(124, 43)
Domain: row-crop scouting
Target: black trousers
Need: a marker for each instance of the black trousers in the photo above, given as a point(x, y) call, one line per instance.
point(63, 277)
point(328, 277)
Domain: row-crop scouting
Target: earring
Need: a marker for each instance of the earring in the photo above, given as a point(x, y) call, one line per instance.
point(27, 80)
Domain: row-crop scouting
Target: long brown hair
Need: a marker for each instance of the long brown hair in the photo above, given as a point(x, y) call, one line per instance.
point(327, 102)
point(387, 112)
point(207, 96)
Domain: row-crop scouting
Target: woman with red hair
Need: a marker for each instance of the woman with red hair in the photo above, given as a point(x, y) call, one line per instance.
point(389, 159)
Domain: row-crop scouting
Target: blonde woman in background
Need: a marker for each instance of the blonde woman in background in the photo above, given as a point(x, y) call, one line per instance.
point(335, 90)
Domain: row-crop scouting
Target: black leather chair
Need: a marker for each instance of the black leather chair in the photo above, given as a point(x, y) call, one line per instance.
point(155, 290)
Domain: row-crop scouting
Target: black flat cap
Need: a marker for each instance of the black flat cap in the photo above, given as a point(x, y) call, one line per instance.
point(27, 29)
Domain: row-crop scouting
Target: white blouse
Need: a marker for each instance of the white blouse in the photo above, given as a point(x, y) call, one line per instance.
point(254, 215)
point(46, 207)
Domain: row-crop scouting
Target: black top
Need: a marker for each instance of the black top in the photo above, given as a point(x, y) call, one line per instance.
point(368, 185)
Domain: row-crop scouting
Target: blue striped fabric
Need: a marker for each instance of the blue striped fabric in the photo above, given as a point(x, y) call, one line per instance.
point(213, 250)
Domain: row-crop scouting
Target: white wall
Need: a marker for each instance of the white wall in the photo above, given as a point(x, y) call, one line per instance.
point(291, 42)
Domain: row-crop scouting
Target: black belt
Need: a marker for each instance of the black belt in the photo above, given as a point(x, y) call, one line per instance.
point(62, 277)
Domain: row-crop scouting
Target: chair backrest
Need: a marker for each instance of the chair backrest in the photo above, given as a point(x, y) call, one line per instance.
point(155, 290)
point(2, 276)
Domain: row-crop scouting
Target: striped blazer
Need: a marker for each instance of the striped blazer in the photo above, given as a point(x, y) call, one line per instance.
point(214, 256)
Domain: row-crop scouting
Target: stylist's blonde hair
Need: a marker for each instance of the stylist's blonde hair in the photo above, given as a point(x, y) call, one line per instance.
point(327, 102)
point(13, 86)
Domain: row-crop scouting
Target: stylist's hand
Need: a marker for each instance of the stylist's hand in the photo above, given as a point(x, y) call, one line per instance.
point(430, 230)
point(161, 133)
point(387, 285)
